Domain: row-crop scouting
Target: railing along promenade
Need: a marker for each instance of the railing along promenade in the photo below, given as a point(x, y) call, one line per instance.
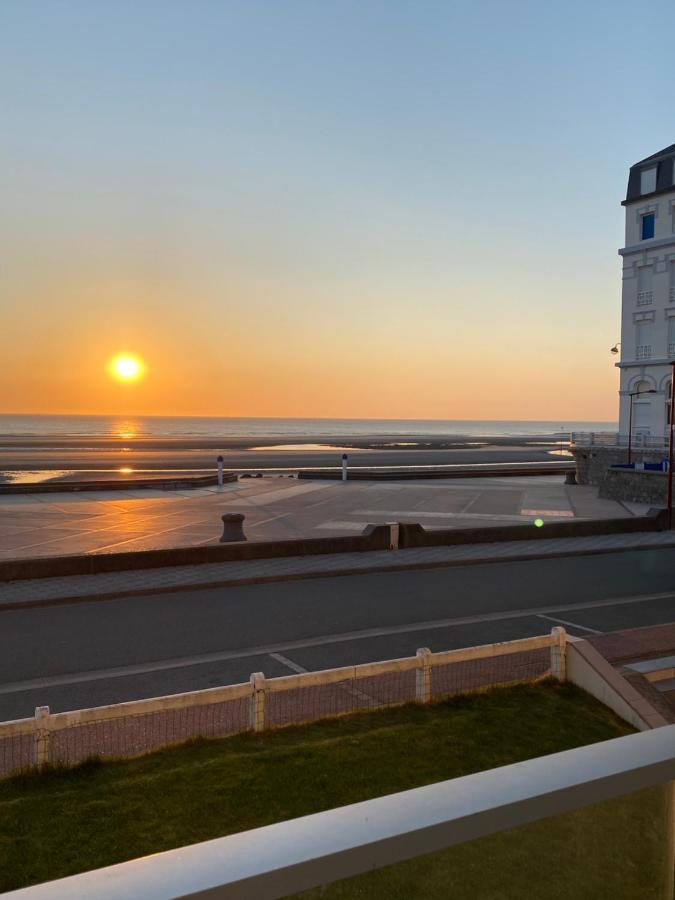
point(613, 439)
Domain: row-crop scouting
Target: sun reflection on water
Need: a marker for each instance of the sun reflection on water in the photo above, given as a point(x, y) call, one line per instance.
point(126, 429)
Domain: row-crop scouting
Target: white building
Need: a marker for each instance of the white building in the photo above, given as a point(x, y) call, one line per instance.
point(648, 297)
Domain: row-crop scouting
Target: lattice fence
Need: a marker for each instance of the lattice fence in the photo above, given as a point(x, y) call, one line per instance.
point(131, 729)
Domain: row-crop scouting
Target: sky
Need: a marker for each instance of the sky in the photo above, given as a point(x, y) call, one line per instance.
point(401, 209)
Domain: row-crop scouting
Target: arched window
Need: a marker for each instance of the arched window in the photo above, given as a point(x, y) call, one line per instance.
point(641, 386)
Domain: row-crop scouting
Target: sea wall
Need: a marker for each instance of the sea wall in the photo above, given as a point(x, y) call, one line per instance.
point(635, 486)
point(592, 463)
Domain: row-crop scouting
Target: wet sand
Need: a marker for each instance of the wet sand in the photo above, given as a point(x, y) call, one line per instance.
point(81, 457)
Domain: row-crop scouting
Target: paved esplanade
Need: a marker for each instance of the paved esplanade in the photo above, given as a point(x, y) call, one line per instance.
point(87, 654)
point(280, 508)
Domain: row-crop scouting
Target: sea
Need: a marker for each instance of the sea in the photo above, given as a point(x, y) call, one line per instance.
point(188, 426)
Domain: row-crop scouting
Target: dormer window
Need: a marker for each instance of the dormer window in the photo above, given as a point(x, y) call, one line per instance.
point(648, 181)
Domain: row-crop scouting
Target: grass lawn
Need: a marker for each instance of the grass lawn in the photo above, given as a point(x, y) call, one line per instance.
point(58, 823)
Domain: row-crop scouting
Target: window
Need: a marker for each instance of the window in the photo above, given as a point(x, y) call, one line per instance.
point(648, 181)
point(645, 278)
point(643, 348)
point(648, 226)
point(642, 413)
point(671, 337)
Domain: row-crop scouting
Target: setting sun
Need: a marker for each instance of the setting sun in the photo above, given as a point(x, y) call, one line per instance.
point(126, 367)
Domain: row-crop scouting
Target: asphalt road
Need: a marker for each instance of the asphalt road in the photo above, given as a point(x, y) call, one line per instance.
point(89, 654)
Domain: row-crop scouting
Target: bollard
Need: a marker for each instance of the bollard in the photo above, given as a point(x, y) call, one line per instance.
point(233, 528)
point(220, 471)
point(571, 477)
point(344, 466)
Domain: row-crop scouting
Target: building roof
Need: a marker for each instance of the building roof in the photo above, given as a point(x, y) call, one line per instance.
point(664, 161)
point(664, 152)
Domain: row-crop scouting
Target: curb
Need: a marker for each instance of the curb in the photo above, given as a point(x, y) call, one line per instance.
point(323, 573)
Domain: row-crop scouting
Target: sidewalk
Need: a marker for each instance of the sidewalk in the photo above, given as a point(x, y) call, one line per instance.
point(50, 591)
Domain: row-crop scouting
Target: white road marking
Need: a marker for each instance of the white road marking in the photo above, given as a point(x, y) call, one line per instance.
point(551, 513)
point(285, 661)
point(571, 624)
point(319, 641)
point(343, 526)
point(417, 514)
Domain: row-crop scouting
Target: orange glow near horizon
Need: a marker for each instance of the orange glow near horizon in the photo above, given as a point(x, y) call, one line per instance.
point(443, 364)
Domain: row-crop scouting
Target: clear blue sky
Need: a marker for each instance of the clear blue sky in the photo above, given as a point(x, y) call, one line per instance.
point(302, 198)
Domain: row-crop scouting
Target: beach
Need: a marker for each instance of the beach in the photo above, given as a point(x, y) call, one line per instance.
point(87, 457)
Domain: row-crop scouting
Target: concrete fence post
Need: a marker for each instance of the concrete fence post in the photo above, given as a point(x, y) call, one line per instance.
point(41, 736)
point(345, 458)
point(257, 715)
point(559, 653)
point(423, 675)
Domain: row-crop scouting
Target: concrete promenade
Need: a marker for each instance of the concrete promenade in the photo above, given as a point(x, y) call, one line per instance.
point(282, 508)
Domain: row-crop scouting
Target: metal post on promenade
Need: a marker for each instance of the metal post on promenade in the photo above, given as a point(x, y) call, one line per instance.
point(670, 444)
point(220, 471)
point(344, 466)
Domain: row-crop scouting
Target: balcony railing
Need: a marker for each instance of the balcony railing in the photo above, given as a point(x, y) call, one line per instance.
point(672, 295)
point(645, 298)
point(643, 351)
point(612, 439)
point(288, 857)
point(671, 350)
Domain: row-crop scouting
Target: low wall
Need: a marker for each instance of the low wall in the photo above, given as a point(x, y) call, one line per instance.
point(374, 537)
point(120, 484)
point(414, 535)
point(364, 474)
point(592, 463)
point(635, 486)
point(589, 670)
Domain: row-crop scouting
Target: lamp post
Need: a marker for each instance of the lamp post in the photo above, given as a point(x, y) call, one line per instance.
point(670, 445)
point(632, 395)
